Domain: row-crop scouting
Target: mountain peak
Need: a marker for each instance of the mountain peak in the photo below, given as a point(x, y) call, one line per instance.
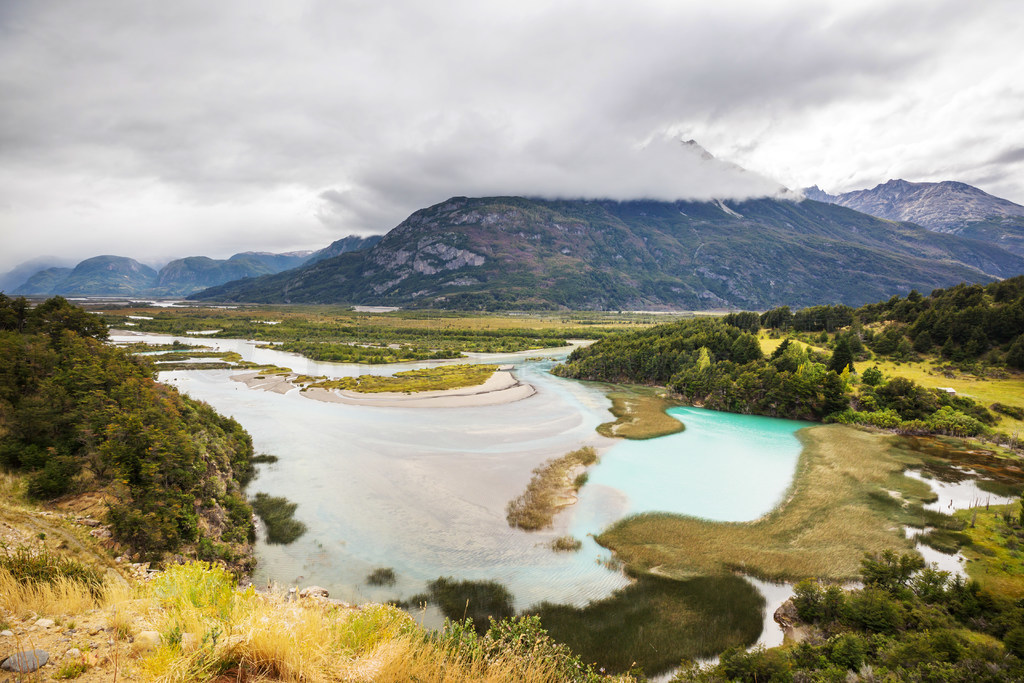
point(947, 206)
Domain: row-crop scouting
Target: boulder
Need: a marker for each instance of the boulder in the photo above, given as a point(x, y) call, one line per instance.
point(45, 623)
point(314, 592)
point(25, 662)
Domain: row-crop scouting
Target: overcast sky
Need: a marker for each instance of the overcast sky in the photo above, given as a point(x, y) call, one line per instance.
point(158, 129)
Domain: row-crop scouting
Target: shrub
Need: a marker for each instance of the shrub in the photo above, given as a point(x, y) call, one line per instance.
point(26, 565)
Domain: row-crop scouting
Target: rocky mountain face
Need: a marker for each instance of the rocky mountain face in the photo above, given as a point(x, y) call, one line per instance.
point(344, 246)
point(118, 275)
point(943, 207)
point(514, 252)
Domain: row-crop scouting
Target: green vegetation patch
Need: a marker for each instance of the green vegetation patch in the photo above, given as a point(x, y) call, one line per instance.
point(656, 622)
point(478, 601)
point(554, 485)
point(995, 555)
point(354, 352)
point(908, 623)
point(640, 414)
point(409, 381)
point(277, 514)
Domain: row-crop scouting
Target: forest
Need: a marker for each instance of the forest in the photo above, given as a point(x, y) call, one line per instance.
point(77, 415)
point(813, 373)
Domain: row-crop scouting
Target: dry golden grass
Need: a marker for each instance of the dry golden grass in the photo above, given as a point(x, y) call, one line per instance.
point(62, 596)
point(640, 414)
point(837, 510)
point(412, 659)
point(209, 627)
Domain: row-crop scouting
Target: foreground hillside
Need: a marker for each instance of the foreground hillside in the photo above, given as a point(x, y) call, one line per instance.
point(511, 252)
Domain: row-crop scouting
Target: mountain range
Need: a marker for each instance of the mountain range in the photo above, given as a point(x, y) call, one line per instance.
point(947, 206)
point(516, 252)
point(122, 276)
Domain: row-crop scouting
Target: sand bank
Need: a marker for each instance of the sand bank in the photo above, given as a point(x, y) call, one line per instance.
point(502, 387)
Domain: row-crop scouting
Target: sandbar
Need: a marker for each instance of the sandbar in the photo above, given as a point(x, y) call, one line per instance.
point(500, 388)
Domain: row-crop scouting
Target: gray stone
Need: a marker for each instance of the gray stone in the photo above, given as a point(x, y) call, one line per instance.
point(7, 634)
point(314, 592)
point(73, 653)
point(25, 662)
point(45, 623)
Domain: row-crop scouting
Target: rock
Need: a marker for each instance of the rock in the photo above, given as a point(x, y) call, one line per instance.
point(314, 592)
point(786, 615)
point(45, 623)
point(7, 634)
point(73, 653)
point(145, 642)
point(26, 662)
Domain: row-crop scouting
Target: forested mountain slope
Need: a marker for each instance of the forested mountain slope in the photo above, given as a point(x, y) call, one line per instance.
point(514, 252)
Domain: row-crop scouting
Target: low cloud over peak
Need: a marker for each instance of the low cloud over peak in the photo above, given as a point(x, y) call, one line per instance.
point(132, 127)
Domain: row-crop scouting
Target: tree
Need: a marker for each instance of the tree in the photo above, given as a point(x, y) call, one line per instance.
point(1015, 355)
point(872, 377)
point(842, 356)
point(923, 343)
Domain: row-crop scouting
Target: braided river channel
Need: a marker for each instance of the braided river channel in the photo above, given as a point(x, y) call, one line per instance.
point(423, 491)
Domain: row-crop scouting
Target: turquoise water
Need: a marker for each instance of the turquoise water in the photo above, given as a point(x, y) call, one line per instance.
point(424, 490)
point(723, 467)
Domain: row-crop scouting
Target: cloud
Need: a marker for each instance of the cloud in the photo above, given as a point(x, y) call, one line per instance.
point(262, 125)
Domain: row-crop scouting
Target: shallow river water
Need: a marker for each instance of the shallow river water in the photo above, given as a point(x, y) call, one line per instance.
point(424, 491)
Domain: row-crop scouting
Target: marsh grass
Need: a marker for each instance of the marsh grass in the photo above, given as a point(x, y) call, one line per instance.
point(381, 576)
point(566, 544)
point(552, 486)
point(437, 378)
point(848, 497)
point(277, 514)
point(478, 601)
point(656, 622)
point(640, 414)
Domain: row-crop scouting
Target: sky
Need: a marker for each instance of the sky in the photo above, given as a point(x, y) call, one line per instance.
point(158, 130)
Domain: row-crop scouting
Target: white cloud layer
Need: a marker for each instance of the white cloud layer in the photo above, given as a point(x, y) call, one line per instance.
point(158, 130)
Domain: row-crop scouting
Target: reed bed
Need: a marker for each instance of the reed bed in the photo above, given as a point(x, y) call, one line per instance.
point(552, 486)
